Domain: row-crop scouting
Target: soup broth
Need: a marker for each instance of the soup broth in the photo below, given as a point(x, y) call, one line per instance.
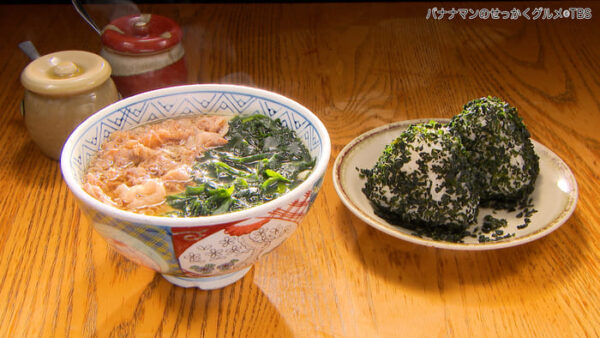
point(197, 166)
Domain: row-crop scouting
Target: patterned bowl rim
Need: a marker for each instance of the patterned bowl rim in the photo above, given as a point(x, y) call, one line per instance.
point(76, 188)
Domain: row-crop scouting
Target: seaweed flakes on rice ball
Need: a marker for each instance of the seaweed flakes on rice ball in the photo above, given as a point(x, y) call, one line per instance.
point(500, 147)
point(423, 181)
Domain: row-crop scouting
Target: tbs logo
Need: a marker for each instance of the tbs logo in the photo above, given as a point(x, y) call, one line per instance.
point(578, 13)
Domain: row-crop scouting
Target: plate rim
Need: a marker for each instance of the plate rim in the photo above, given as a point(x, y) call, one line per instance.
point(558, 221)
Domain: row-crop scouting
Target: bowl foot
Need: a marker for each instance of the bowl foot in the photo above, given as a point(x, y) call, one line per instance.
point(208, 283)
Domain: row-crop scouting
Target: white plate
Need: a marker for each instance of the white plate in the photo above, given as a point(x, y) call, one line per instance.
point(554, 197)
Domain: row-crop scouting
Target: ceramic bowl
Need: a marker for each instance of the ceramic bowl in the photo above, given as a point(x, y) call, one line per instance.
point(206, 252)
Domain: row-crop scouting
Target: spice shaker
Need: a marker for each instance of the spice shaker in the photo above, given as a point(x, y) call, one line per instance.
point(145, 52)
point(61, 90)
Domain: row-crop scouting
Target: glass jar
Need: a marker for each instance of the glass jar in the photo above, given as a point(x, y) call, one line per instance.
point(61, 90)
point(145, 52)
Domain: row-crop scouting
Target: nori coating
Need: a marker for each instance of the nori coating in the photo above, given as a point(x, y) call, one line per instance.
point(406, 194)
point(499, 145)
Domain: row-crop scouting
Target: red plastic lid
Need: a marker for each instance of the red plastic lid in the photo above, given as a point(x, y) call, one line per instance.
point(143, 33)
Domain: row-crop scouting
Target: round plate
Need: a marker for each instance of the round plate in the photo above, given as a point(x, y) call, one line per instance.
point(554, 197)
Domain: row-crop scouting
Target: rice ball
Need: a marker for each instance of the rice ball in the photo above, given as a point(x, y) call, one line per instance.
point(500, 149)
point(423, 178)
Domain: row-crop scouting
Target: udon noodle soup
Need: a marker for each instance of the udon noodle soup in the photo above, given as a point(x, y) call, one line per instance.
point(198, 166)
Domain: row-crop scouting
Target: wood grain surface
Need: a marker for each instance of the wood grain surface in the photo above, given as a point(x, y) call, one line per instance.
point(357, 66)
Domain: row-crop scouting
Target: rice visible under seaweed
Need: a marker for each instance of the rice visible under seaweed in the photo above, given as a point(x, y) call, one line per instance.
point(423, 179)
point(500, 147)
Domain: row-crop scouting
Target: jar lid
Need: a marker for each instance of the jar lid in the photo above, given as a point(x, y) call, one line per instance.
point(143, 33)
point(65, 72)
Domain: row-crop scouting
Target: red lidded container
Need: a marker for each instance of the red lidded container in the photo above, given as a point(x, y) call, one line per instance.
point(145, 52)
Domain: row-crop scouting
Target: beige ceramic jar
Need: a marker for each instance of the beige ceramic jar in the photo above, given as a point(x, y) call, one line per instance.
point(62, 90)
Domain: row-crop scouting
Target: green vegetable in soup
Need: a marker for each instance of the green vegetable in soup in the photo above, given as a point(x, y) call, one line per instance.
point(261, 161)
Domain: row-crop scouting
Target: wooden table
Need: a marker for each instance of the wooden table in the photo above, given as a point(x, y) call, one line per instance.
point(357, 66)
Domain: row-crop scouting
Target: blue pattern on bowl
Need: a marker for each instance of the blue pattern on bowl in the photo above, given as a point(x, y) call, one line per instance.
point(188, 103)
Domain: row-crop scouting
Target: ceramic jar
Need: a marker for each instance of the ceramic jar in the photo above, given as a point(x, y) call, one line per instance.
point(145, 52)
point(62, 90)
